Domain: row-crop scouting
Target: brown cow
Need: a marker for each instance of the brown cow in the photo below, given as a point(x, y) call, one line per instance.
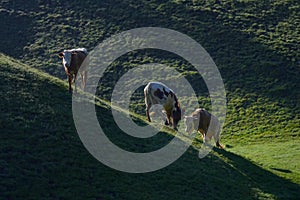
point(158, 93)
point(200, 120)
point(72, 60)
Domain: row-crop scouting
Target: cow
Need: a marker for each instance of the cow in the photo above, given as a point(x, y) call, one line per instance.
point(205, 123)
point(72, 60)
point(158, 93)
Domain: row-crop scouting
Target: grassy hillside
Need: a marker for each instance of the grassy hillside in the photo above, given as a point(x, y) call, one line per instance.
point(255, 45)
point(42, 157)
point(236, 33)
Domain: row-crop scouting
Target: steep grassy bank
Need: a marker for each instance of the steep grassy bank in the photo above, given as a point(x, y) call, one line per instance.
point(42, 157)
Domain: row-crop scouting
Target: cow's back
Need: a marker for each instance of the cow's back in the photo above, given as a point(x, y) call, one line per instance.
point(77, 60)
point(158, 93)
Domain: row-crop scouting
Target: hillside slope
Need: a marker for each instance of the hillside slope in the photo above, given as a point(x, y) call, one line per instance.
point(41, 155)
point(47, 27)
point(254, 44)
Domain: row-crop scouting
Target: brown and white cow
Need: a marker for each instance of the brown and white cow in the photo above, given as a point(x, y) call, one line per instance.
point(72, 60)
point(158, 93)
point(201, 120)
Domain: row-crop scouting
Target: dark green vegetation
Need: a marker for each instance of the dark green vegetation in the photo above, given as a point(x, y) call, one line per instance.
point(255, 44)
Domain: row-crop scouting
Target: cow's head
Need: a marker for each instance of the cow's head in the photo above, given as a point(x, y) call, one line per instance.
point(177, 113)
point(157, 113)
point(189, 122)
point(66, 55)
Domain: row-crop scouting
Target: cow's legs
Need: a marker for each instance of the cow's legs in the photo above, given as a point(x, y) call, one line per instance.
point(175, 128)
point(207, 138)
point(204, 137)
point(147, 113)
point(218, 143)
point(83, 79)
point(148, 105)
point(70, 77)
point(217, 140)
point(168, 120)
point(75, 88)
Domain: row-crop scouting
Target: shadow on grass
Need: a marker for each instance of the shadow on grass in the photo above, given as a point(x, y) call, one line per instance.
point(260, 179)
point(282, 170)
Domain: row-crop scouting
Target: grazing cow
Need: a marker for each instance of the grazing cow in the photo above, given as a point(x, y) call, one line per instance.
point(158, 93)
point(200, 120)
point(72, 60)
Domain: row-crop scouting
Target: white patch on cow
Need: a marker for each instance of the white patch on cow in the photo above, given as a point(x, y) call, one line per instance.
point(67, 58)
point(68, 55)
point(79, 49)
point(160, 86)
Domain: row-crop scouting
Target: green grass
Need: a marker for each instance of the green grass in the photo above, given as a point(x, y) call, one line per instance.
point(253, 43)
point(224, 28)
point(278, 157)
point(42, 157)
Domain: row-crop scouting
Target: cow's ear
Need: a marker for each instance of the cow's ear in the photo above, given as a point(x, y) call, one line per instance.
point(61, 55)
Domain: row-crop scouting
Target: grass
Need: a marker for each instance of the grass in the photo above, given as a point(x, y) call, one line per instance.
point(254, 44)
point(279, 157)
point(42, 157)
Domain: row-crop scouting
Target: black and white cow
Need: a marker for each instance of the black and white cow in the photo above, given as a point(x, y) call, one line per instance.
point(158, 93)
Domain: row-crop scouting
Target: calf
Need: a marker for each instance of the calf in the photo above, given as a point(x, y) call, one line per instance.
point(72, 60)
point(158, 93)
point(201, 120)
